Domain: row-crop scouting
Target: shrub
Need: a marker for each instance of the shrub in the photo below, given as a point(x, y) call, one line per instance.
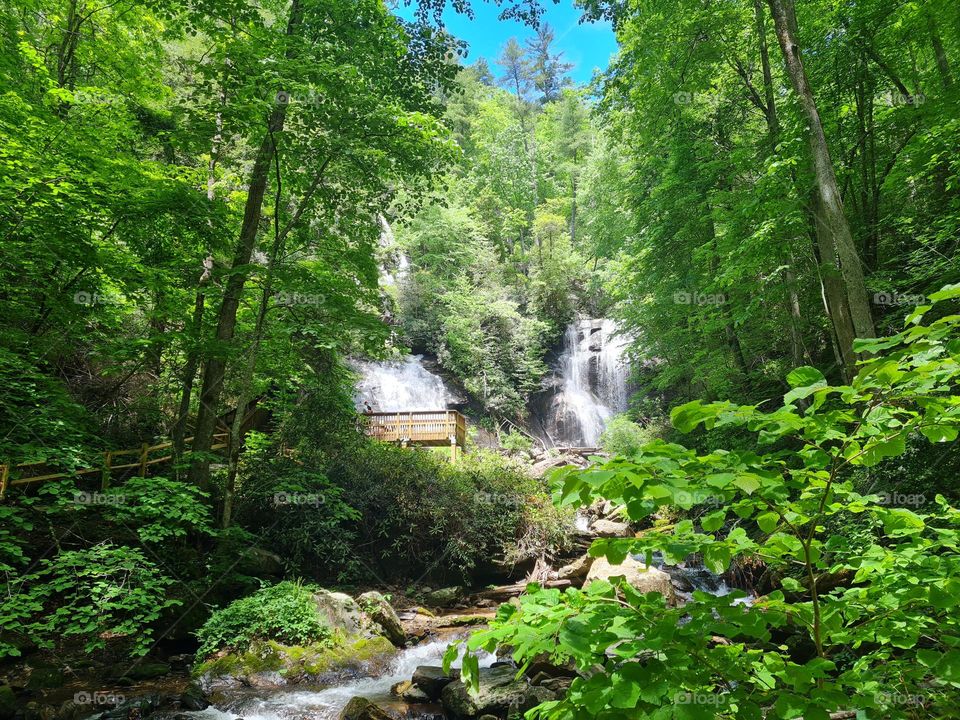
point(624, 437)
point(285, 612)
point(94, 594)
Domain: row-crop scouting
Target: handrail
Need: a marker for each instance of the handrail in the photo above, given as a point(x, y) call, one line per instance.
point(143, 461)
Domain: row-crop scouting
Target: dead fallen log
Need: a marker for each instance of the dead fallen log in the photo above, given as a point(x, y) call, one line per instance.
point(505, 592)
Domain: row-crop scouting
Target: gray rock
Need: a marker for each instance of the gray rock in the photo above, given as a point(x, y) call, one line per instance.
point(432, 680)
point(443, 597)
point(380, 611)
point(610, 528)
point(643, 578)
point(343, 613)
point(193, 698)
point(360, 708)
point(500, 693)
point(260, 563)
point(147, 670)
point(576, 571)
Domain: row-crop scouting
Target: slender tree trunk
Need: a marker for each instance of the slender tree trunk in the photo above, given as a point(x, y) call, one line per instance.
point(200, 300)
point(837, 246)
point(214, 369)
point(943, 65)
point(68, 44)
point(835, 297)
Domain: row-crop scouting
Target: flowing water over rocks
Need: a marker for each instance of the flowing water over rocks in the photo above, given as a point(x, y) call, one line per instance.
point(326, 704)
point(588, 386)
point(404, 384)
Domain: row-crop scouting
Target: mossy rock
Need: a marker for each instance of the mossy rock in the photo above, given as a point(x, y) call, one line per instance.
point(272, 664)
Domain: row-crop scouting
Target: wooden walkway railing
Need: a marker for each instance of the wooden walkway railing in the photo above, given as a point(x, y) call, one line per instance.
point(430, 428)
point(10, 474)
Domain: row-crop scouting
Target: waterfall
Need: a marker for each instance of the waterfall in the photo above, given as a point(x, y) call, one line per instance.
point(404, 384)
point(589, 385)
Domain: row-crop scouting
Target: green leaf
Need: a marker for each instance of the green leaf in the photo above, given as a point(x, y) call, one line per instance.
point(768, 521)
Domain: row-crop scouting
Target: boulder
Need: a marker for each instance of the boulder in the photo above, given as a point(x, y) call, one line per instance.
point(261, 563)
point(576, 571)
point(610, 528)
point(399, 688)
point(500, 693)
point(343, 613)
point(643, 578)
point(8, 702)
point(269, 664)
point(380, 611)
point(360, 708)
point(193, 698)
point(443, 597)
point(432, 680)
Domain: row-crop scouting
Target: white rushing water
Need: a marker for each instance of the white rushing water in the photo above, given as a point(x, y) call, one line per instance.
point(592, 373)
point(327, 704)
point(400, 385)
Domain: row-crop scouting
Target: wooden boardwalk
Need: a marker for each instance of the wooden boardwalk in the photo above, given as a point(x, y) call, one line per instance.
point(426, 428)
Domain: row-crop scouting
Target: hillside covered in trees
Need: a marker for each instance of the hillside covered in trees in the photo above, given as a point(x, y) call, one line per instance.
point(699, 312)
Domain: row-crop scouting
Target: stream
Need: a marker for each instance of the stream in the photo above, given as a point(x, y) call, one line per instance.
point(326, 704)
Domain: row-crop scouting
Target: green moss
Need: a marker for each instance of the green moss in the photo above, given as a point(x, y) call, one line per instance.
point(298, 660)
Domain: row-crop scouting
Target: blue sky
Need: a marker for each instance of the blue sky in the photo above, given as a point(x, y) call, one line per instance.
point(587, 46)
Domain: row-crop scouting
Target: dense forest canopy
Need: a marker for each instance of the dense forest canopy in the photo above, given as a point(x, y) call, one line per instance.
point(216, 215)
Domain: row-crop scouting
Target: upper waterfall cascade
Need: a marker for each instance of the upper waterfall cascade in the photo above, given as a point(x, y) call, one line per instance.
point(405, 384)
point(590, 384)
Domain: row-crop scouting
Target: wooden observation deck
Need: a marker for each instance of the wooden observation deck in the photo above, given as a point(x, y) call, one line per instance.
point(427, 428)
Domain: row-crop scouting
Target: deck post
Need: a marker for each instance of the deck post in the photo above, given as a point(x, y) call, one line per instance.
point(453, 449)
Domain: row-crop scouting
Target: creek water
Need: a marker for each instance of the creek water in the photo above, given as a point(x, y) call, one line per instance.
point(327, 703)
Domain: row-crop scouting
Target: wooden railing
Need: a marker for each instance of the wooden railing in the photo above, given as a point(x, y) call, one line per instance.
point(10, 474)
point(431, 428)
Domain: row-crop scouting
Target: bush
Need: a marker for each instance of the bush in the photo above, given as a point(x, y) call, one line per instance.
point(515, 441)
point(624, 437)
point(285, 612)
point(101, 592)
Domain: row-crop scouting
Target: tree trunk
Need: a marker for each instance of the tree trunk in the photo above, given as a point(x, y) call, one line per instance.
point(943, 65)
point(837, 245)
point(215, 366)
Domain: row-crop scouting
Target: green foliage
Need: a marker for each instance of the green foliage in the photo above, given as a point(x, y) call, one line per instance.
point(162, 509)
point(516, 441)
point(285, 612)
point(624, 437)
point(884, 641)
point(99, 593)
